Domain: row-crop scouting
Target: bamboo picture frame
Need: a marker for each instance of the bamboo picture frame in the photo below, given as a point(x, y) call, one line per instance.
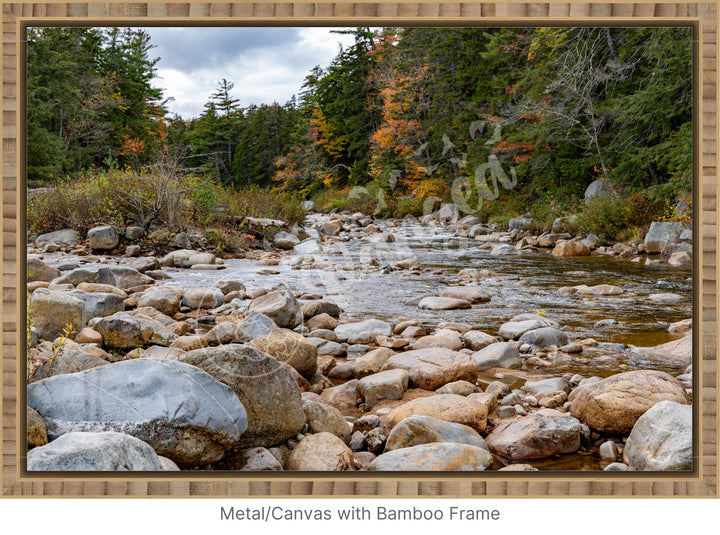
point(702, 481)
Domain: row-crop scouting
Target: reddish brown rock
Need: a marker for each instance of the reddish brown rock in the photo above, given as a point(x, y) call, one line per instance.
point(571, 248)
point(434, 367)
point(448, 407)
point(36, 431)
point(344, 397)
point(535, 436)
point(371, 362)
point(321, 452)
point(291, 347)
point(614, 404)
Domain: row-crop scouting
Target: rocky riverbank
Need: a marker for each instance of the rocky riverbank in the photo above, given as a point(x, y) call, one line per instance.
point(130, 370)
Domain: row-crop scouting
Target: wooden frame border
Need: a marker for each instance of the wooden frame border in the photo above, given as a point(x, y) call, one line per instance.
point(703, 16)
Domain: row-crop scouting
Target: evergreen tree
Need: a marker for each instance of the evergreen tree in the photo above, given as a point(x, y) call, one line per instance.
point(90, 100)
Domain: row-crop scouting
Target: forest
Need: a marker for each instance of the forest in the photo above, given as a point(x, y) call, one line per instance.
point(501, 121)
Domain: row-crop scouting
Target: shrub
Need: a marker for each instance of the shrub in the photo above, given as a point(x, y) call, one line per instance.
point(254, 201)
point(614, 217)
point(354, 200)
point(152, 199)
point(405, 207)
point(223, 242)
point(501, 220)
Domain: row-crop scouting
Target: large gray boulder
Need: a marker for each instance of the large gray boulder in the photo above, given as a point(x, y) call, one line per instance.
point(280, 305)
point(267, 390)
point(104, 238)
point(437, 456)
point(90, 452)
point(66, 236)
point(661, 439)
point(120, 276)
point(661, 236)
point(183, 412)
point(100, 304)
point(598, 187)
point(51, 312)
point(500, 354)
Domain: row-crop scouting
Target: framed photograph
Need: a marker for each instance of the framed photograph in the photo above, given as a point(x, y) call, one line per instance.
point(359, 249)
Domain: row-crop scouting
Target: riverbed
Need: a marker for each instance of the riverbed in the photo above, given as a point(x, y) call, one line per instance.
point(358, 275)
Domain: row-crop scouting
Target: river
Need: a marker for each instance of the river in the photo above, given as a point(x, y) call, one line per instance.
point(526, 283)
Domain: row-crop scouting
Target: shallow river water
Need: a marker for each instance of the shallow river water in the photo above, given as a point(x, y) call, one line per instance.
point(527, 283)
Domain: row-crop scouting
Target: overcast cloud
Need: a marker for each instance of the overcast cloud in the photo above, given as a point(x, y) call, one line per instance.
point(266, 64)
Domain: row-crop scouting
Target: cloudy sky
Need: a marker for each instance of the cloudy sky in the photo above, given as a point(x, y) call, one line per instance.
point(265, 64)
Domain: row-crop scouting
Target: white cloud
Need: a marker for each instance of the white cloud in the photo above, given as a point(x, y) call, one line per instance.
point(265, 64)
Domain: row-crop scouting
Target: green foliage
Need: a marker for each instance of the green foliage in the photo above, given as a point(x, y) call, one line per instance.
point(405, 207)
point(614, 217)
point(204, 199)
point(89, 98)
point(264, 138)
point(501, 220)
